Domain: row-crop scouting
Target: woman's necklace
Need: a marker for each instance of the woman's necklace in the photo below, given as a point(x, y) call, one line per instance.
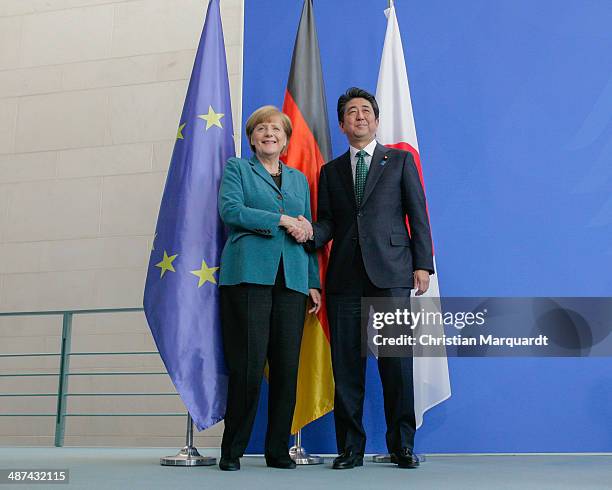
point(279, 172)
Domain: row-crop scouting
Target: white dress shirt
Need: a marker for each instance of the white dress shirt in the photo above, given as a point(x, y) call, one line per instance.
point(369, 149)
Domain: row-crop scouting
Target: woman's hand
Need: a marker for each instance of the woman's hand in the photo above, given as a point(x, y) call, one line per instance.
point(287, 221)
point(315, 299)
point(299, 228)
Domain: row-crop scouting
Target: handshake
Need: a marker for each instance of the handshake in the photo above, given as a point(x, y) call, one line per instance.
point(299, 228)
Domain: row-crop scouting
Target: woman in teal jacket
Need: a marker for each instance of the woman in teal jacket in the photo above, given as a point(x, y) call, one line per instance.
point(265, 279)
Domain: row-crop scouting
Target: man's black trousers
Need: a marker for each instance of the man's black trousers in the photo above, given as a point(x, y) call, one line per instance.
point(349, 367)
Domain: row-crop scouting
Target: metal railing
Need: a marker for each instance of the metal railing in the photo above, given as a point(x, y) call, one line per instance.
point(64, 373)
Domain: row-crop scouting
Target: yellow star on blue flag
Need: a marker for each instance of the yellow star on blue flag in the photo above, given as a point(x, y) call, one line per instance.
point(179, 133)
point(166, 264)
point(212, 118)
point(206, 274)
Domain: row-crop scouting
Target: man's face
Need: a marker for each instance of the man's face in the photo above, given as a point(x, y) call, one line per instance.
point(359, 123)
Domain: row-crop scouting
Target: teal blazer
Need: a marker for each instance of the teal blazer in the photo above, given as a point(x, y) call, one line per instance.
point(250, 205)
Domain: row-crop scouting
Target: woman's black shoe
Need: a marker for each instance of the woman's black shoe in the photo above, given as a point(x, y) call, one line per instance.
point(285, 463)
point(229, 464)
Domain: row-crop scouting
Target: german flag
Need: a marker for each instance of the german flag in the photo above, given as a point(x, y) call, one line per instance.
point(309, 149)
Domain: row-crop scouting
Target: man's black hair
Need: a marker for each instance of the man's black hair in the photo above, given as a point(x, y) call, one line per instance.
point(354, 93)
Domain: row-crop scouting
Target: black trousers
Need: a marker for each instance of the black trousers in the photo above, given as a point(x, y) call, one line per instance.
point(260, 322)
point(349, 367)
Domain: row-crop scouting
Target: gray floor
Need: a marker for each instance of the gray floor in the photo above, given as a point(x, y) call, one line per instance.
point(111, 468)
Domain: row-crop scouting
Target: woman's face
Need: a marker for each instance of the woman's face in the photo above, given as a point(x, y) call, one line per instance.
point(269, 138)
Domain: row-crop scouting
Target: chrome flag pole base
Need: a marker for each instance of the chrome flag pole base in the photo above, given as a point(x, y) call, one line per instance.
point(298, 454)
point(381, 458)
point(188, 456)
point(386, 458)
point(301, 456)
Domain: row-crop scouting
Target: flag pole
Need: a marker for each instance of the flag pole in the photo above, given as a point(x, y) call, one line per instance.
point(306, 103)
point(383, 458)
point(300, 455)
point(189, 455)
point(190, 229)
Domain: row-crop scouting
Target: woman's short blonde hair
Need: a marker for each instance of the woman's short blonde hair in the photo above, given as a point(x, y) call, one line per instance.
point(264, 114)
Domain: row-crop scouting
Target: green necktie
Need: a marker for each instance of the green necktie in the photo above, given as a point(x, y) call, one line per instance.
point(361, 172)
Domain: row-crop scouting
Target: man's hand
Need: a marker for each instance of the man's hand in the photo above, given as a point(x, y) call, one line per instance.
point(421, 281)
point(315, 299)
point(306, 226)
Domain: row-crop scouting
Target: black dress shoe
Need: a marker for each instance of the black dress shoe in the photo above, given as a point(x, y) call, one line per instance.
point(405, 458)
point(229, 464)
point(347, 460)
point(284, 463)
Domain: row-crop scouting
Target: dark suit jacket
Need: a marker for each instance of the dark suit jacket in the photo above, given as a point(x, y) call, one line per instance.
point(393, 191)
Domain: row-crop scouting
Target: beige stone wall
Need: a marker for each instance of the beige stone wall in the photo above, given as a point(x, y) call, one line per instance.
point(90, 96)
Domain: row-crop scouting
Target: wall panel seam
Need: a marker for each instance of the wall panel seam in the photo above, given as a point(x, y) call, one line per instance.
point(44, 11)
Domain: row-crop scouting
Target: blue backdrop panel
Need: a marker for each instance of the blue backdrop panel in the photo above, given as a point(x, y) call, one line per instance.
point(513, 107)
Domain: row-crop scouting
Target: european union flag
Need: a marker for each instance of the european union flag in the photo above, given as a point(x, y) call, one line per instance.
point(181, 299)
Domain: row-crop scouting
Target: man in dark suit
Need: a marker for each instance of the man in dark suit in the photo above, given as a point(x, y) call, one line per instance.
point(364, 198)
